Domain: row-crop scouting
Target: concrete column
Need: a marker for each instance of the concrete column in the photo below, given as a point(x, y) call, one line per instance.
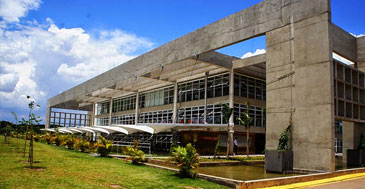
point(231, 105)
point(92, 116)
point(205, 96)
point(300, 88)
point(48, 116)
point(136, 114)
point(361, 53)
point(174, 111)
point(110, 110)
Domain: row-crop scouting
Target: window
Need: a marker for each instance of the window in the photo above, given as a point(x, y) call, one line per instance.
point(217, 86)
point(157, 97)
point(195, 115)
point(102, 121)
point(255, 112)
point(193, 90)
point(338, 127)
point(102, 108)
point(123, 120)
point(164, 116)
point(249, 87)
point(338, 145)
point(124, 103)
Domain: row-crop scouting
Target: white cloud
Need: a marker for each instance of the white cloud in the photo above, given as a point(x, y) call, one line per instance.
point(257, 52)
point(41, 59)
point(12, 10)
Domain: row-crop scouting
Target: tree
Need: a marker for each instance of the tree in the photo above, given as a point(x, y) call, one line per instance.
point(245, 121)
point(227, 113)
point(33, 119)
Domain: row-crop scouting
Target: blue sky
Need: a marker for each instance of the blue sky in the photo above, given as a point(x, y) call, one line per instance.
point(50, 46)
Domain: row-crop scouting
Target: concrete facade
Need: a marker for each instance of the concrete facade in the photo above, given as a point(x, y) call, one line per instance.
point(301, 80)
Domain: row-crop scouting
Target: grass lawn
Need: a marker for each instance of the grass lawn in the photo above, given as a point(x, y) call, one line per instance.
point(64, 168)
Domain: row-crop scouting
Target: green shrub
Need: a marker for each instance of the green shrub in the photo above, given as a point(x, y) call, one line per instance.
point(135, 155)
point(187, 160)
point(58, 139)
point(68, 142)
point(81, 145)
point(47, 137)
point(104, 146)
point(36, 138)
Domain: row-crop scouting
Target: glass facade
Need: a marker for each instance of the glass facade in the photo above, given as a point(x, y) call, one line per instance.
point(124, 119)
point(193, 90)
point(102, 108)
point(255, 112)
point(102, 121)
point(163, 116)
point(218, 86)
point(157, 97)
point(249, 87)
point(124, 103)
point(195, 115)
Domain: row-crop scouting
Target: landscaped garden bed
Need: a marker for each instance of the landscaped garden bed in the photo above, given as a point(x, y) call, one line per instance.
point(64, 168)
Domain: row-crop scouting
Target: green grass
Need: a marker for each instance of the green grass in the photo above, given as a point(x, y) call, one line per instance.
point(69, 169)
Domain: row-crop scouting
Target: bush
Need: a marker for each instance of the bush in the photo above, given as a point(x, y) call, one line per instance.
point(58, 139)
point(36, 138)
point(135, 155)
point(47, 137)
point(187, 160)
point(104, 146)
point(82, 145)
point(69, 142)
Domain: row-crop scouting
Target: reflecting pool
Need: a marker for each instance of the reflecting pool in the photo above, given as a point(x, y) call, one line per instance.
point(241, 172)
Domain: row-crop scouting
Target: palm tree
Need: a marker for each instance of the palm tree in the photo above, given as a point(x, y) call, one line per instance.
point(227, 112)
point(245, 121)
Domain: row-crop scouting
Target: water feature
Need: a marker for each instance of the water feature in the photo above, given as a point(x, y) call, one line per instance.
point(240, 172)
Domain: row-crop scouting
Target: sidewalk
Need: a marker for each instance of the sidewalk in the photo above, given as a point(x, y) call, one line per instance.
point(346, 181)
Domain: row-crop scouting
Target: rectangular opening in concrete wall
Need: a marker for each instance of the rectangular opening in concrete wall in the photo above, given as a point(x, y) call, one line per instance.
point(348, 92)
point(362, 113)
point(362, 80)
point(355, 77)
point(340, 71)
point(355, 94)
point(362, 96)
point(356, 111)
point(340, 89)
point(348, 74)
point(341, 108)
point(348, 110)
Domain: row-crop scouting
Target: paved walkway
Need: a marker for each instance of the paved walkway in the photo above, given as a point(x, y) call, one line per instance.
point(352, 181)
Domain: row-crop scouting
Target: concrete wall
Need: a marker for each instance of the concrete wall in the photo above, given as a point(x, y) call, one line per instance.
point(343, 43)
point(299, 86)
point(361, 53)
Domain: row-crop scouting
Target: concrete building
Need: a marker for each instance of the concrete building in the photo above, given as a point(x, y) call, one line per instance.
point(184, 82)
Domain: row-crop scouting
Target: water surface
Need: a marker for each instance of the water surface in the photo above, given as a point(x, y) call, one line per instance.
point(240, 172)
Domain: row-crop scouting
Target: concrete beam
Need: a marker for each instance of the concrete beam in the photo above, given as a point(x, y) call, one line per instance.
point(248, 23)
point(343, 43)
point(250, 61)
